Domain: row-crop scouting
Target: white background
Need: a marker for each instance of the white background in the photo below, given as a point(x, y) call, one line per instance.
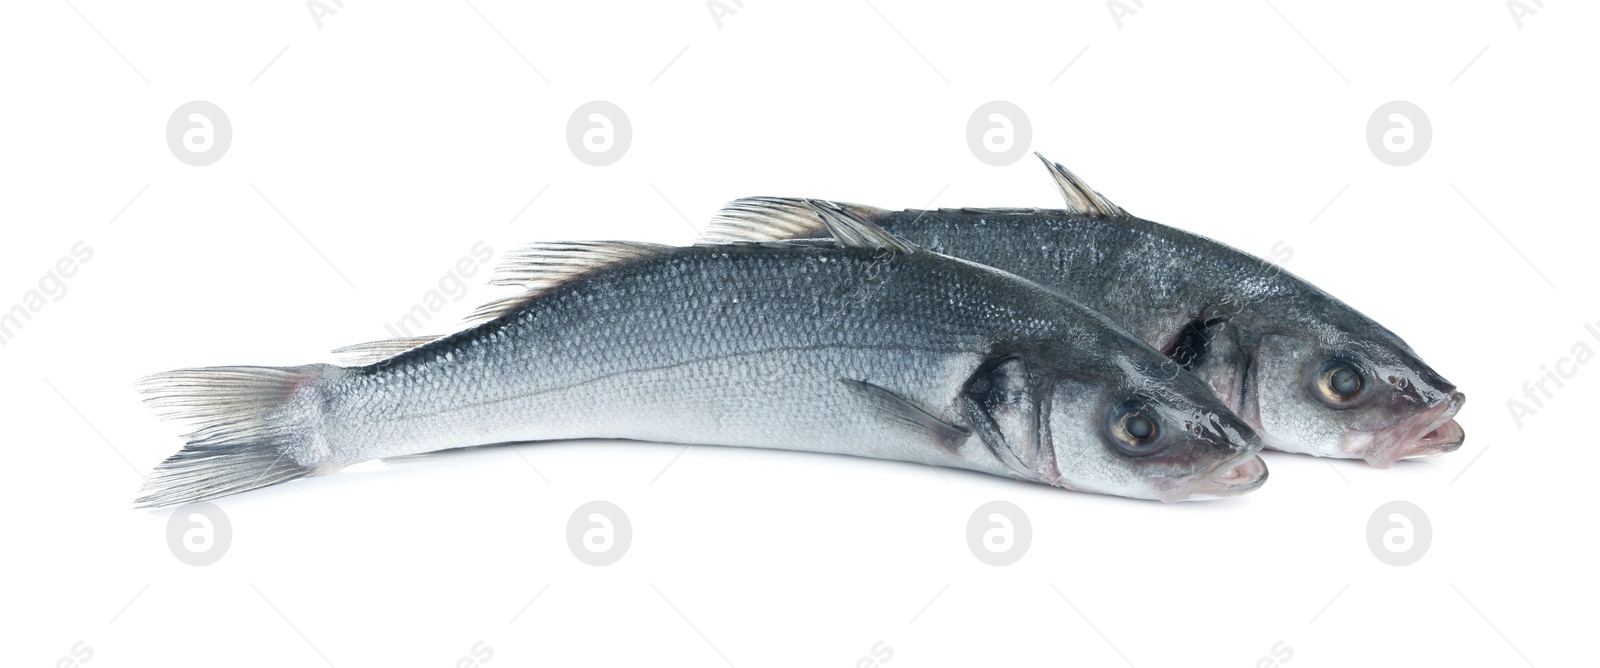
point(397, 135)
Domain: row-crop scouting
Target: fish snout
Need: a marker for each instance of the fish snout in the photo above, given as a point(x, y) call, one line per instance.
point(1432, 432)
point(1240, 478)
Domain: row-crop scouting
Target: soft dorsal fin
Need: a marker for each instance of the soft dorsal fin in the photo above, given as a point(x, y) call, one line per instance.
point(850, 230)
point(371, 352)
point(542, 267)
point(538, 269)
point(1081, 199)
point(754, 219)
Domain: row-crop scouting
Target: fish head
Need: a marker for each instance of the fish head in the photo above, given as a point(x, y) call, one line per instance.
point(1136, 425)
point(1351, 392)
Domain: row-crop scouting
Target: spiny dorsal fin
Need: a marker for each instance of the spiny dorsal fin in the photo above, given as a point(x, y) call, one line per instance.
point(773, 219)
point(372, 352)
point(1081, 199)
point(852, 231)
point(542, 267)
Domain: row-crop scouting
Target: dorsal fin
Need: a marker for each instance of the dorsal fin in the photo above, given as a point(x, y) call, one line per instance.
point(850, 230)
point(542, 267)
point(773, 219)
point(372, 352)
point(1081, 199)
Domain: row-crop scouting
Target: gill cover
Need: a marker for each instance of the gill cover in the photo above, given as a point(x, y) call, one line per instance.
point(1004, 402)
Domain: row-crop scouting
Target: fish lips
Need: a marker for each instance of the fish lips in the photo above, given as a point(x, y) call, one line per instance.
point(1241, 472)
point(1241, 475)
point(1430, 433)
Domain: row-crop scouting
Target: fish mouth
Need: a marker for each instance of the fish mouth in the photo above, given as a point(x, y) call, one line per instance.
point(1241, 478)
point(1432, 433)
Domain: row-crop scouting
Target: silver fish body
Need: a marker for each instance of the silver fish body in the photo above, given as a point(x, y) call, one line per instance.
point(1268, 342)
point(874, 352)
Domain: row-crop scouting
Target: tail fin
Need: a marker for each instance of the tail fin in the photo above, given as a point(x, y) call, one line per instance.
point(255, 426)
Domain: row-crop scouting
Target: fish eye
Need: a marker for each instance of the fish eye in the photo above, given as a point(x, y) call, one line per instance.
point(1340, 382)
point(1135, 430)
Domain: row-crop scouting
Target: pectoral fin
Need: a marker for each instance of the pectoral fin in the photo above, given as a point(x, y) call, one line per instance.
point(892, 406)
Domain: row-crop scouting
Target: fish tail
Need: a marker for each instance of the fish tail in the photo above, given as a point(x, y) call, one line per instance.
point(254, 427)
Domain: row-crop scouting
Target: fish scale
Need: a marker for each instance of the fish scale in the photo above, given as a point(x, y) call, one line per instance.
point(1264, 339)
point(872, 349)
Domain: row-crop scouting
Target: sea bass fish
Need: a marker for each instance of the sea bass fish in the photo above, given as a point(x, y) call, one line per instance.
point(1309, 373)
point(865, 345)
